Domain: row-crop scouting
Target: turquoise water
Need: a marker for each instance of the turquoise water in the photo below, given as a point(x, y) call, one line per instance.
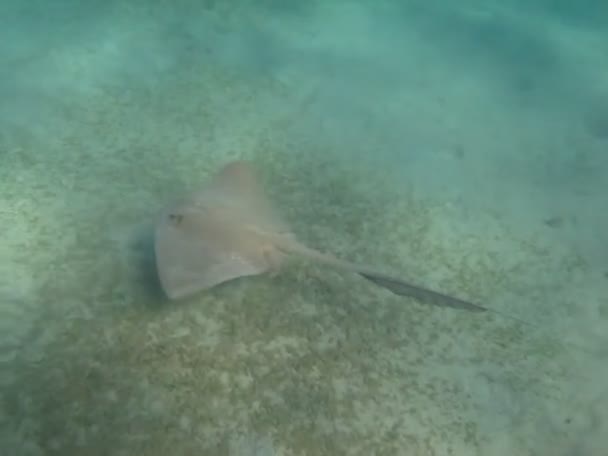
point(461, 145)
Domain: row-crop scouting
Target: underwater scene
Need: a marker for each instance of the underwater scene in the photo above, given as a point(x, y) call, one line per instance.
point(326, 227)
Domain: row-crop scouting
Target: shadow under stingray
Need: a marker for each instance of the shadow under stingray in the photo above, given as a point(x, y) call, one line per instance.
point(143, 260)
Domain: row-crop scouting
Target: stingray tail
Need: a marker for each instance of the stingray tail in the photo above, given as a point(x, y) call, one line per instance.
point(396, 286)
point(424, 295)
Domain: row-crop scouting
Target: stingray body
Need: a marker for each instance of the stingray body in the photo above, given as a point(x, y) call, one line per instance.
point(229, 229)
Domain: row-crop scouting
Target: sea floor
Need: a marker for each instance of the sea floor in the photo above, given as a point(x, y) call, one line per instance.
point(461, 146)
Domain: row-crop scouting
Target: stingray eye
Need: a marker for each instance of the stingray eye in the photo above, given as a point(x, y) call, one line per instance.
point(176, 219)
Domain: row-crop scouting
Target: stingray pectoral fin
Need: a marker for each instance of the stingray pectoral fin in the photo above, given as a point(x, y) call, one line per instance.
point(424, 295)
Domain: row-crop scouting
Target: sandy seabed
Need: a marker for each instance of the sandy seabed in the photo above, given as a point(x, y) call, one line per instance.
point(378, 143)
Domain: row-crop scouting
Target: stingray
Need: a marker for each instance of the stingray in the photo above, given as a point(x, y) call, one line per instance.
point(229, 229)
